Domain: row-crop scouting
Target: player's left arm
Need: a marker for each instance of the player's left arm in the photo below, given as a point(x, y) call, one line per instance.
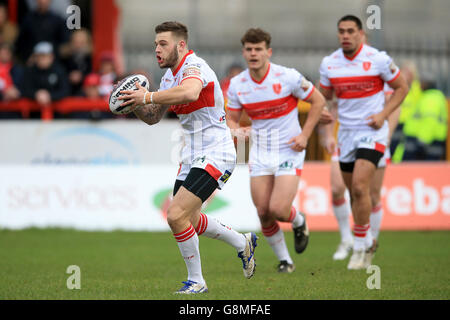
point(390, 73)
point(400, 88)
point(393, 118)
point(317, 102)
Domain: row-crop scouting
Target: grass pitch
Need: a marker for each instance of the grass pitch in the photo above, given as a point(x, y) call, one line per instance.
point(143, 265)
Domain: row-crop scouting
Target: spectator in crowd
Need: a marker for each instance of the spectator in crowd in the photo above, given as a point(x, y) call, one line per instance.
point(90, 90)
point(45, 81)
point(59, 7)
point(8, 87)
point(425, 129)
point(8, 30)
point(78, 59)
point(91, 85)
point(41, 25)
point(107, 71)
point(232, 71)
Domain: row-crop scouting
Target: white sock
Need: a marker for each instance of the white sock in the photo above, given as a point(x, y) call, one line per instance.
point(360, 233)
point(342, 211)
point(189, 248)
point(376, 217)
point(296, 218)
point(212, 228)
point(275, 237)
point(369, 238)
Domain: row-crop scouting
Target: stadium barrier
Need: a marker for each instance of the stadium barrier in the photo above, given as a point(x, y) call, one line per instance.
point(119, 174)
point(414, 197)
point(64, 106)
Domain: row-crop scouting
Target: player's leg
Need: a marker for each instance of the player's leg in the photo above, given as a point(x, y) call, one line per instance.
point(361, 207)
point(341, 210)
point(376, 215)
point(182, 207)
point(283, 194)
point(261, 191)
point(202, 184)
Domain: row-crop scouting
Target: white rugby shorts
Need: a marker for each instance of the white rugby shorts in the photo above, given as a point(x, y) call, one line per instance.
point(350, 140)
point(286, 162)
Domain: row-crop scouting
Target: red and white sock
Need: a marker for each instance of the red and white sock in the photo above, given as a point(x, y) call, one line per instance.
point(212, 228)
point(342, 211)
point(275, 237)
point(360, 232)
point(296, 218)
point(376, 217)
point(188, 244)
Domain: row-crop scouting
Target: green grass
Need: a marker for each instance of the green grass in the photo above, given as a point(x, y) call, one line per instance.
point(140, 265)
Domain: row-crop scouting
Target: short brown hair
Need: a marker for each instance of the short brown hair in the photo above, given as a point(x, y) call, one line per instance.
point(177, 28)
point(256, 35)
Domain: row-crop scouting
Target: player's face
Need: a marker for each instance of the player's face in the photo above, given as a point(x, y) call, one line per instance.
point(256, 54)
point(350, 37)
point(166, 50)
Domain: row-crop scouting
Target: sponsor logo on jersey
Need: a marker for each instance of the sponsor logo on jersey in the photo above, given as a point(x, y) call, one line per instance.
point(287, 165)
point(276, 88)
point(199, 160)
point(191, 72)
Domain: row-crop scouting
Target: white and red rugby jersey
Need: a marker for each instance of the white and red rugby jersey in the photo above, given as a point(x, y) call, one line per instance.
point(358, 82)
point(203, 121)
point(271, 103)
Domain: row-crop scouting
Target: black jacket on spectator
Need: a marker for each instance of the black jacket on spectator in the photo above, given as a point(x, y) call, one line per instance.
point(54, 80)
point(82, 63)
point(37, 27)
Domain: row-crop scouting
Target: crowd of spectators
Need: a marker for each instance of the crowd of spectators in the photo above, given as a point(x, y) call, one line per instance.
point(45, 62)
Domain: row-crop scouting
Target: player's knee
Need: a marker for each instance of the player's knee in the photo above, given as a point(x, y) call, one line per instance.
point(280, 212)
point(175, 216)
point(359, 190)
point(337, 191)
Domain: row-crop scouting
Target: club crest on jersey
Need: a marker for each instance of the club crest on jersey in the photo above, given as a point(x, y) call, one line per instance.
point(276, 88)
point(366, 65)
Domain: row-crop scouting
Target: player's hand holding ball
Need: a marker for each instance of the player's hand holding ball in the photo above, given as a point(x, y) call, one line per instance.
point(128, 94)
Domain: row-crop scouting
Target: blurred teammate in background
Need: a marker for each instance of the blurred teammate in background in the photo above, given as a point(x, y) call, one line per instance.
point(341, 205)
point(356, 73)
point(192, 90)
point(269, 94)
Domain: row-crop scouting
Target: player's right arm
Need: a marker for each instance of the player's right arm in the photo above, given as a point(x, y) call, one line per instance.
point(327, 120)
point(151, 113)
point(234, 113)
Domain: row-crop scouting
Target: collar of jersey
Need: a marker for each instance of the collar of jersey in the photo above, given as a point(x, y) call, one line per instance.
point(354, 55)
point(263, 78)
point(181, 63)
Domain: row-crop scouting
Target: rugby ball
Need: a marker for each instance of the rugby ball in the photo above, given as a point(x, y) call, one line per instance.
point(128, 83)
